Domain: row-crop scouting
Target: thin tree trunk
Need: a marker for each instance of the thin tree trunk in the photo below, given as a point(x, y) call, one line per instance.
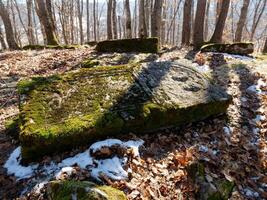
point(218, 32)
point(156, 18)
point(95, 20)
point(30, 24)
point(109, 20)
point(10, 37)
point(2, 41)
point(206, 29)
point(87, 20)
point(163, 23)
point(80, 17)
point(265, 46)
point(114, 19)
point(257, 18)
point(45, 19)
point(128, 19)
point(241, 21)
point(198, 37)
point(186, 32)
point(142, 20)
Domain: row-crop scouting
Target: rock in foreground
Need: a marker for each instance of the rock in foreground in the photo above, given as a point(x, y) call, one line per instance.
point(143, 45)
point(235, 48)
point(62, 112)
point(82, 190)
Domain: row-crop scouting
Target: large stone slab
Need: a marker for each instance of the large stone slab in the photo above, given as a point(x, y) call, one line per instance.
point(143, 45)
point(240, 48)
point(62, 112)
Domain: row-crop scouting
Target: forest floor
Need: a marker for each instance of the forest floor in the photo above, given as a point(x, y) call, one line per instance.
point(232, 146)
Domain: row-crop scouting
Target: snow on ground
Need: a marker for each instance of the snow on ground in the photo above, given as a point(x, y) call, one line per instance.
point(257, 88)
point(112, 168)
point(234, 56)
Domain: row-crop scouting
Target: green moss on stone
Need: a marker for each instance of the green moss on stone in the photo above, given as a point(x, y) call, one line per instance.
point(144, 45)
point(82, 190)
point(90, 63)
point(41, 47)
point(12, 127)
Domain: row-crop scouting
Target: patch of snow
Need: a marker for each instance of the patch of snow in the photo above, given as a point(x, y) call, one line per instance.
point(67, 170)
point(250, 193)
point(37, 188)
point(203, 149)
point(203, 68)
point(227, 130)
point(13, 165)
point(255, 131)
point(257, 88)
point(259, 118)
point(82, 159)
point(244, 99)
point(110, 167)
point(113, 168)
point(234, 56)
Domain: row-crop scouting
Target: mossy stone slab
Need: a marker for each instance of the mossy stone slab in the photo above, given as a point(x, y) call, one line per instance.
point(143, 45)
point(62, 112)
point(82, 190)
point(240, 48)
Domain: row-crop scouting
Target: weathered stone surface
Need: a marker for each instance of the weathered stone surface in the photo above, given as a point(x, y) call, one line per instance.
point(58, 190)
point(61, 112)
point(235, 48)
point(144, 45)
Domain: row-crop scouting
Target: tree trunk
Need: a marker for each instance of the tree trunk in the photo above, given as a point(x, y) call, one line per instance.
point(257, 16)
point(206, 28)
point(198, 37)
point(186, 32)
point(95, 20)
point(109, 20)
point(241, 21)
point(156, 18)
point(30, 24)
point(80, 17)
point(218, 32)
point(114, 19)
point(128, 19)
point(218, 9)
point(10, 37)
point(265, 46)
point(45, 20)
point(142, 20)
point(2, 41)
point(88, 20)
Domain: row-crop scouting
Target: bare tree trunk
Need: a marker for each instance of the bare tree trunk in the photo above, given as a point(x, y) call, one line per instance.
point(241, 21)
point(95, 20)
point(35, 25)
point(10, 37)
point(218, 9)
point(109, 20)
point(257, 17)
point(206, 29)
point(80, 17)
point(30, 24)
point(45, 19)
point(114, 19)
point(218, 32)
point(163, 23)
point(265, 46)
point(186, 32)
point(142, 20)
point(128, 19)
point(156, 18)
point(2, 41)
point(87, 21)
point(198, 37)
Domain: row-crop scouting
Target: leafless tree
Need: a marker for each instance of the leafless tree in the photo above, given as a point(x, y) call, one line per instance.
point(156, 18)
point(109, 20)
point(128, 19)
point(10, 37)
point(2, 40)
point(142, 19)
point(218, 32)
point(42, 10)
point(186, 33)
point(198, 37)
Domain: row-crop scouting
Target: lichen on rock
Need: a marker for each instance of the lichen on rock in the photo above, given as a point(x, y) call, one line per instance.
point(62, 112)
